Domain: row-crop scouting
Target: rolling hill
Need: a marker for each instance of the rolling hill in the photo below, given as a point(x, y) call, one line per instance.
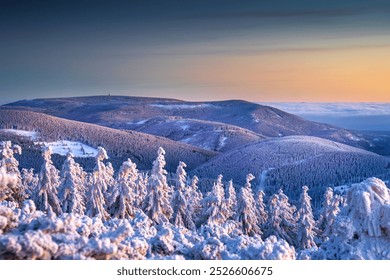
point(120, 145)
point(293, 161)
point(122, 112)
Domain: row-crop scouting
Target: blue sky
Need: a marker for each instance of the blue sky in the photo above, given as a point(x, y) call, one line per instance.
point(196, 50)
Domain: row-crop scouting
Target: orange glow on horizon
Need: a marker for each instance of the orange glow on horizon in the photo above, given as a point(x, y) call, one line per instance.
point(356, 75)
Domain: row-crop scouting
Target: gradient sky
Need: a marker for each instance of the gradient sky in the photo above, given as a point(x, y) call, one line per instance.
point(301, 50)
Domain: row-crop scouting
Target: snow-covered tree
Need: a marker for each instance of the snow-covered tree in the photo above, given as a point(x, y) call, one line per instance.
point(46, 196)
point(98, 183)
point(71, 189)
point(14, 191)
point(329, 211)
point(157, 203)
point(195, 197)
point(140, 189)
point(288, 220)
point(306, 223)
point(261, 211)
point(214, 210)
point(231, 199)
point(29, 181)
point(110, 183)
point(273, 225)
point(122, 200)
point(246, 211)
point(181, 216)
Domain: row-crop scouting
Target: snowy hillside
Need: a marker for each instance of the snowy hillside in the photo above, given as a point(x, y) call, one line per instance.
point(119, 111)
point(120, 144)
point(204, 134)
point(295, 161)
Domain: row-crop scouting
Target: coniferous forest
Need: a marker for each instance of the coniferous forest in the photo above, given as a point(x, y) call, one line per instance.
point(128, 214)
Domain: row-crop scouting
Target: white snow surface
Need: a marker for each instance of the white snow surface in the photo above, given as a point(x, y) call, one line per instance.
point(182, 106)
point(30, 134)
point(63, 147)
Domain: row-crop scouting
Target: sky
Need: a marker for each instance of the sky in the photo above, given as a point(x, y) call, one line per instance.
point(262, 51)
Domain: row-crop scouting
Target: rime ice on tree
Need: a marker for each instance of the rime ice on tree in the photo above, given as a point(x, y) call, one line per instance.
point(46, 197)
point(231, 198)
point(157, 204)
point(214, 211)
point(122, 200)
point(95, 198)
point(181, 216)
point(306, 223)
point(71, 190)
point(11, 187)
point(246, 213)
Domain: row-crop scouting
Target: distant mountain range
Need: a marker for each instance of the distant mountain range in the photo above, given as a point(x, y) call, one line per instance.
point(231, 138)
point(122, 112)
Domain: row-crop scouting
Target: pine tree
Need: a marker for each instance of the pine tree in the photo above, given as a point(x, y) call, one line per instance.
point(14, 191)
point(195, 197)
point(49, 180)
point(140, 189)
point(71, 190)
point(261, 211)
point(108, 176)
point(157, 204)
point(329, 211)
point(273, 226)
point(246, 212)
point(288, 220)
point(306, 223)
point(29, 181)
point(122, 200)
point(231, 199)
point(214, 210)
point(181, 216)
point(95, 198)
point(331, 214)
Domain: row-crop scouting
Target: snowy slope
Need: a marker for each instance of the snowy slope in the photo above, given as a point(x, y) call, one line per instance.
point(29, 134)
point(140, 147)
point(295, 161)
point(118, 111)
point(64, 147)
point(204, 134)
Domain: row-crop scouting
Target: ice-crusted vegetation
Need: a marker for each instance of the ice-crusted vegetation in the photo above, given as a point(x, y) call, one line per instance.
point(128, 214)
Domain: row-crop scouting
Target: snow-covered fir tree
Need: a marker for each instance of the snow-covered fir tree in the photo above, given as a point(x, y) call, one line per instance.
point(157, 202)
point(71, 189)
point(231, 199)
point(29, 181)
point(46, 196)
point(96, 205)
point(109, 180)
point(195, 197)
point(140, 189)
point(329, 212)
point(181, 216)
point(214, 211)
point(122, 200)
point(273, 225)
point(287, 217)
point(8, 162)
point(261, 211)
point(306, 223)
point(246, 211)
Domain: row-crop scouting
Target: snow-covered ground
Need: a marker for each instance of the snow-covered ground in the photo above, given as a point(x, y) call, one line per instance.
point(181, 106)
point(31, 134)
point(76, 148)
